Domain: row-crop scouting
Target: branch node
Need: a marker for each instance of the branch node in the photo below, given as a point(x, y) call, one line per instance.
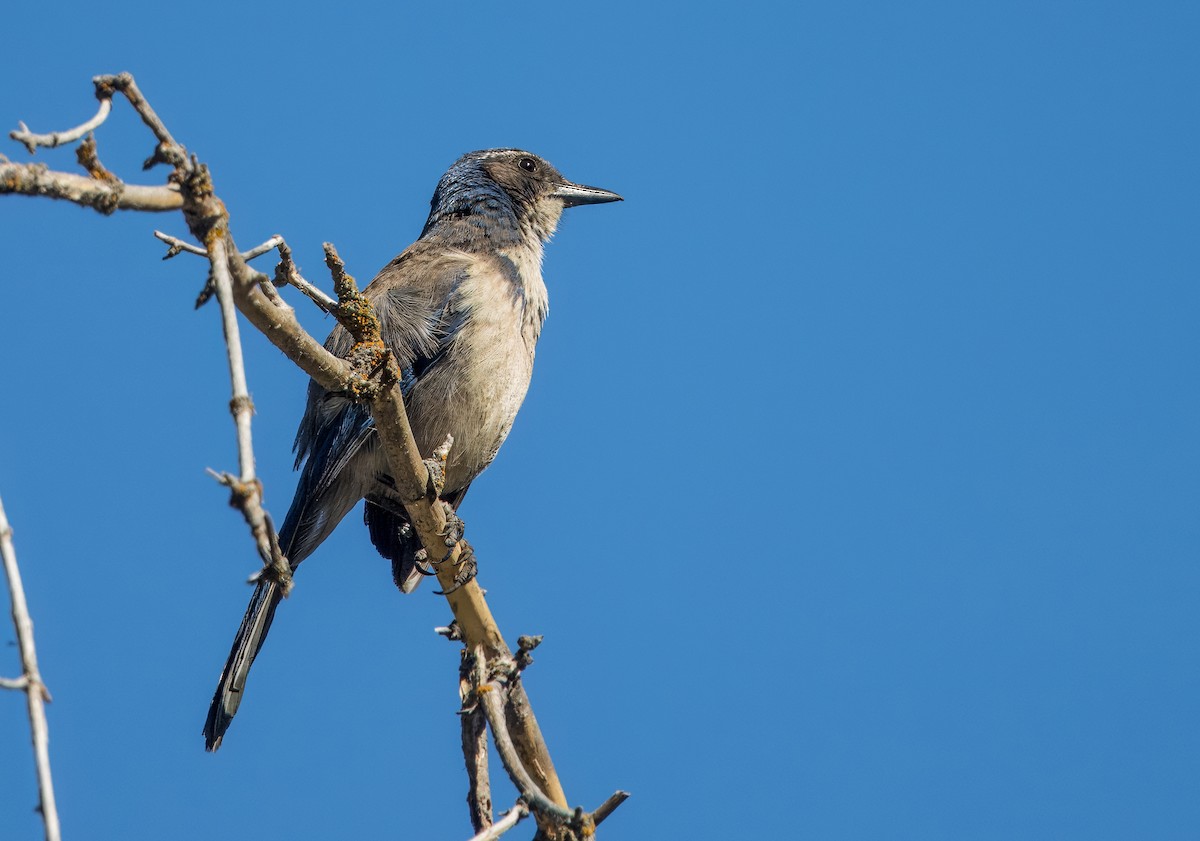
point(526, 644)
point(243, 403)
point(90, 160)
point(451, 632)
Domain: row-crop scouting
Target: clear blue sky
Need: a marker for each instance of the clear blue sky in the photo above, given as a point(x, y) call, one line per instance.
point(857, 490)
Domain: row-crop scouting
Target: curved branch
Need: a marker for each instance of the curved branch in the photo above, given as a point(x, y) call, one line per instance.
point(32, 141)
point(491, 696)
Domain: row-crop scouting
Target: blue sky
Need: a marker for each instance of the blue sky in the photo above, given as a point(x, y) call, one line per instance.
point(856, 492)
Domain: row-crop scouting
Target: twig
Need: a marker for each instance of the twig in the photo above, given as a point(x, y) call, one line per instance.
point(286, 273)
point(56, 138)
point(525, 645)
point(474, 741)
point(246, 490)
point(609, 806)
point(89, 159)
point(35, 691)
point(178, 246)
point(259, 250)
point(510, 819)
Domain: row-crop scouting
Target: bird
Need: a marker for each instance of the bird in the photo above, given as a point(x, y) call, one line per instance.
point(461, 309)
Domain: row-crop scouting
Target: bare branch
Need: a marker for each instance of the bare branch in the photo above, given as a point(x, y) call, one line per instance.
point(525, 645)
point(259, 250)
point(168, 151)
point(246, 490)
point(104, 196)
point(474, 743)
point(89, 159)
point(18, 683)
point(499, 712)
point(286, 273)
point(511, 818)
point(56, 138)
point(35, 691)
point(177, 246)
point(609, 806)
point(491, 697)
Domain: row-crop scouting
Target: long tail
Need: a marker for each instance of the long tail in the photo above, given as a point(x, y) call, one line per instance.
point(246, 644)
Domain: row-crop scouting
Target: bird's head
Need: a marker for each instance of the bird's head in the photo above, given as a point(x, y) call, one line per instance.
point(498, 193)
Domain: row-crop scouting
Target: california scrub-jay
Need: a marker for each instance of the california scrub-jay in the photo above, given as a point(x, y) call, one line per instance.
point(461, 309)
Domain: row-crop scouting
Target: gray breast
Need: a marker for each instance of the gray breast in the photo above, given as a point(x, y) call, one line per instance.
point(479, 384)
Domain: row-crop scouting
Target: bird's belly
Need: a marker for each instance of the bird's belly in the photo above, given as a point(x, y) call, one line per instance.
point(474, 395)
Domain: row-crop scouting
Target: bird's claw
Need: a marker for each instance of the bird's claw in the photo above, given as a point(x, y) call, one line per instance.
point(466, 567)
point(421, 563)
point(455, 527)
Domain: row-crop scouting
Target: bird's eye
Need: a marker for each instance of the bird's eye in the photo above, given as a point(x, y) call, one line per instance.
point(527, 164)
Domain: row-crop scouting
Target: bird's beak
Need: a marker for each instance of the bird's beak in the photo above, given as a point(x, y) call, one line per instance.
point(576, 194)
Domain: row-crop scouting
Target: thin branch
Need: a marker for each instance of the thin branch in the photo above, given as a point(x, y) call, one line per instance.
point(259, 250)
point(56, 138)
point(35, 691)
point(246, 490)
point(511, 818)
point(18, 683)
point(287, 274)
point(178, 246)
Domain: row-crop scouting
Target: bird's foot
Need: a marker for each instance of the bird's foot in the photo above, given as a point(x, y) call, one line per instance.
point(421, 563)
point(465, 568)
point(455, 527)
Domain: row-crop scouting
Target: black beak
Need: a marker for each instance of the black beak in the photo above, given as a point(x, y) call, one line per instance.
point(577, 194)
